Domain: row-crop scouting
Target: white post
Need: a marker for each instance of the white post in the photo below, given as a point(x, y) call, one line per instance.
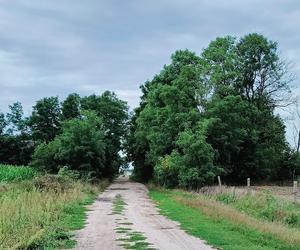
point(220, 183)
point(248, 185)
point(295, 191)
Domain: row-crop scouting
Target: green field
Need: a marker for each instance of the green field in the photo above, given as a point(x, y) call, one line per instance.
point(223, 225)
point(10, 173)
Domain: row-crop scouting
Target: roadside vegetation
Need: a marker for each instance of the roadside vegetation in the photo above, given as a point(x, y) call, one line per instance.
point(263, 205)
point(41, 212)
point(227, 225)
point(10, 173)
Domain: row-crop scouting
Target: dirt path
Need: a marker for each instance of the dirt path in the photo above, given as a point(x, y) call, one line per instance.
point(123, 211)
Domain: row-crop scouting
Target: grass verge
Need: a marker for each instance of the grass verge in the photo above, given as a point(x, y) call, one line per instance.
point(221, 225)
point(40, 213)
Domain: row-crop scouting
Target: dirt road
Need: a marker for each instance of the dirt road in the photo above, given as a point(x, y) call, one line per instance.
point(123, 215)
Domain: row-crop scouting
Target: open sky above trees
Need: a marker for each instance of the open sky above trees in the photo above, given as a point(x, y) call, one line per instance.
point(50, 49)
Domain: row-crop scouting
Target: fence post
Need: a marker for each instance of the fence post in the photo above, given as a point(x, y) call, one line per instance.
point(248, 185)
point(220, 183)
point(295, 191)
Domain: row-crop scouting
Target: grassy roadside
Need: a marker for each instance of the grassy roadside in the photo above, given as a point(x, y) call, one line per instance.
point(41, 213)
point(221, 225)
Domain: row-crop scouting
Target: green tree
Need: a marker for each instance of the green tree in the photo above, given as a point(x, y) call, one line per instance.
point(44, 121)
point(248, 142)
point(264, 77)
point(15, 118)
point(81, 146)
point(3, 123)
point(236, 85)
point(191, 164)
point(114, 115)
point(71, 107)
point(220, 66)
point(45, 157)
point(170, 104)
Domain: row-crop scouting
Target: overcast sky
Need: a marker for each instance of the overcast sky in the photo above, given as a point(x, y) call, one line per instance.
point(56, 47)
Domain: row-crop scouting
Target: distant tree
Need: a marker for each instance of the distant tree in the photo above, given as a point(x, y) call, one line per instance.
point(44, 121)
point(81, 146)
point(15, 118)
point(15, 150)
point(114, 114)
point(3, 123)
point(219, 63)
point(71, 107)
point(264, 77)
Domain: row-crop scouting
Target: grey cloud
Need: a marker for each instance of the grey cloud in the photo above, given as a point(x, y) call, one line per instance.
point(58, 47)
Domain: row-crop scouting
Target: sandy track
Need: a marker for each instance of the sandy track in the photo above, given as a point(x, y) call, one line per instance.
point(160, 232)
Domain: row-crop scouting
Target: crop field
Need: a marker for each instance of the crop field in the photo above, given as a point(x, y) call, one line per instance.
point(10, 173)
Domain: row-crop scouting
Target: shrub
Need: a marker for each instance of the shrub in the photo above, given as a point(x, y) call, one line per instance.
point(226, 198)
point(167, 169)
point(55, 183)
point(65, 171)
point(81, 146)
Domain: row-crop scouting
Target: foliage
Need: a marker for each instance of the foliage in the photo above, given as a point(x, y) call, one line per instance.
point(233, 87)
point(16, 150)
point(166, 171)
point(44, 157)
point(15, 119)
point(114, 115)
point(44, 121)
point(81, 146)
point(70, 107)
point(3, 123)
point(10, 173)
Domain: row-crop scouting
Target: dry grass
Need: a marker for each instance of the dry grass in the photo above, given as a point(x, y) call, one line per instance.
point(217, 210)
point(27, 213)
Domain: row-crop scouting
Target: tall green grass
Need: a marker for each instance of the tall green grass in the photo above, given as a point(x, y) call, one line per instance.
point(224, 226)
point(39, 213)
point(10, 173)
point(263, 206)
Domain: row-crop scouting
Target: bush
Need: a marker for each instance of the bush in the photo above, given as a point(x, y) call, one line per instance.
point(50, 182)
point(44, 157)
point(81, 146)
point(65, 171)
point(226, 198)
point(167, 169)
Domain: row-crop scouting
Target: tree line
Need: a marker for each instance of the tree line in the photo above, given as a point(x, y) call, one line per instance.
point(199, 117)
point(214, 114)
point(83, 133)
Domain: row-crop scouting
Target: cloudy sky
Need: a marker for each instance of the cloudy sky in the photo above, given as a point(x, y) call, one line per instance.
point(55, 47)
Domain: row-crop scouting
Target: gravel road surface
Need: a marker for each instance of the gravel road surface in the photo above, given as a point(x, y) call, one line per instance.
point(105, 229)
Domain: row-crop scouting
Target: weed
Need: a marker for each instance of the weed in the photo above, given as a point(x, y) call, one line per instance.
point(41, 218)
